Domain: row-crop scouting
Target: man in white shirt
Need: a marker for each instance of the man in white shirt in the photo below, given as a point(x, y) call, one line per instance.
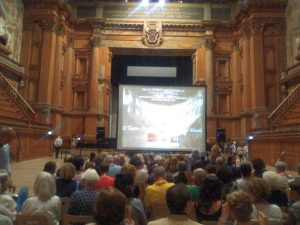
point(57, 145)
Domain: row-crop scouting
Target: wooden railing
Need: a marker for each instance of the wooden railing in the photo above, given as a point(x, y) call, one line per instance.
point(284, 105)
point(18, 99)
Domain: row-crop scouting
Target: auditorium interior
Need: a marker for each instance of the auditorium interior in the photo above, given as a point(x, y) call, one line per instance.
point(61, 64)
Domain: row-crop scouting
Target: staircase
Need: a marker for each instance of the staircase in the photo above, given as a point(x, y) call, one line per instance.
point(286, 116)
point(13, 105)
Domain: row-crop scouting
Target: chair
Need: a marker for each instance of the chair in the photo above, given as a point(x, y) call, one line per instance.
point(37, 219)
point(159, 211)
point(22, 196)
point(71, 219)
point(65, 203)
point(206, 222)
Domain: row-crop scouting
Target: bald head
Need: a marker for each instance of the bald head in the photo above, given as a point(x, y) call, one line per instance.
point(6, 135)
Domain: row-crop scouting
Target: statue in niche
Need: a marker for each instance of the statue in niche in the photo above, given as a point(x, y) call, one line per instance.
point(256, 120)
point(4, 36)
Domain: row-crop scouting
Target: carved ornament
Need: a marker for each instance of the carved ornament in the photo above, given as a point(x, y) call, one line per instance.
point(71, 42)
point(235, 45)
point(210, 44)
point(223, 86)
point(257, 27)
point(245, 31)
point(152, 35)
point(27, 26)
point(48, 25)
point(60, 30)
point(96, 42)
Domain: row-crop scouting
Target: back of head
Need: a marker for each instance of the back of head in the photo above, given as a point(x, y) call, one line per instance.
point(259, 189)
point(77, 162)
point(108, 159)
point(182, 166)
point(280, 166)
point(246, 169)
point(177, 198)
point(240, 205)
point(44, 186)
point(50, 167)
point(124, 183)
point(275, 181)
point(198, 176)
point(129, 169)
point(109, 207)
point(136, 161)
point(210, 191)
point(159, 171)
point(224, 174)
point(259, 166)
point(90, 177)
point(6, 135)
point(67, 171)
point(295, 185)
point(4, 181)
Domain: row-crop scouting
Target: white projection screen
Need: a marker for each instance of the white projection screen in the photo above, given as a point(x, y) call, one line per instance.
point(161, 118)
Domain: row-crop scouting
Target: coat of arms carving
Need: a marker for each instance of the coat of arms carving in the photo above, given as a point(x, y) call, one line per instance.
point(152, 36)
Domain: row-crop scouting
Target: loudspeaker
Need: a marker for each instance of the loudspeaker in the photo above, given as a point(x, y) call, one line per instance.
point(100, 133)
point(221, 135)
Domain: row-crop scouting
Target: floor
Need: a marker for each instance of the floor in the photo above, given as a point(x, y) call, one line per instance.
point(24, 173)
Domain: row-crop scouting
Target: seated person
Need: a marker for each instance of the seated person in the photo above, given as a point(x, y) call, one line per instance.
point(239, 207)
point(180, 205)
point(293, 216)
point(44, 200)
point(7, 203)
point(109, 208)
point(82, 201)
point(65, 185)
point(209, 205)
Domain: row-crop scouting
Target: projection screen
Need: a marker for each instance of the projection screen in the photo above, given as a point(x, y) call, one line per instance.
point(161, 118)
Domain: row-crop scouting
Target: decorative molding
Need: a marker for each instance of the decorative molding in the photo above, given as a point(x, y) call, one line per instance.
point(28, 26)
point(235, 45)
point(152, 34)
point(60, 30)
point(48, 25)
point(210, 44)
point(223, 86)
point(245, 31)
point(96, 42)
point(70, 42)
point(257, 27)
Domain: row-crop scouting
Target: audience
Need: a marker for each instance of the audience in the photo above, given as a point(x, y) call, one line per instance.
point(180, 205)
point(156, 194)
point(105, 180)
point(228, 184)
point(44, 200)
point(198, 177)
point(65, 185)
point(7, 203)
point(124, 183)
point(181, 177)
point(50, 167)
point(82, 201)
point(259, 167)
point(293, 216)
point(209, 205)
point(246, 172)
point(280, 167)
point(260, 190)
point(109, 207)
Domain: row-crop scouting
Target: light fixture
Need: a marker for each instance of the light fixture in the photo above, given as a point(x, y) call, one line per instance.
point(180, 2)
point(250, 137)
point(50, 132)
point(161, 3)
point(78, 139)
point(144, 3)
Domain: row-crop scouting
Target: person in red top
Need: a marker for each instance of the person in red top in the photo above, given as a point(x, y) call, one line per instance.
point(105, 180)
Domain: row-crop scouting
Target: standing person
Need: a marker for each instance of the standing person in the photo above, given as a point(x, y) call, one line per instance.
point(6, 136)
point(57, 144)
point(240, 152)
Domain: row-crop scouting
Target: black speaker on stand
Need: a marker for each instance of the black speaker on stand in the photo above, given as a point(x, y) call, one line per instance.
point(221, 135)
point(100, 134)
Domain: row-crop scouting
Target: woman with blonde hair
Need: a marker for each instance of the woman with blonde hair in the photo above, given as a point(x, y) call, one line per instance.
point(44, 200)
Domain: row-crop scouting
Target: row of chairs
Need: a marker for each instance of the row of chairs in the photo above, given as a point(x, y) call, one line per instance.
point(40, 219)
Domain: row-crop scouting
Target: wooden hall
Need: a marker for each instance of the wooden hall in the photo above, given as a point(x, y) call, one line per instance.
point(61, 63)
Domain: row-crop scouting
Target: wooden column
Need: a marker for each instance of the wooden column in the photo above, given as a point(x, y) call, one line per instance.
point(199, 70)
point(56, 92)
point(257, 67)
point(209, 74)
point(94, 74)
point(26, 52)
point(236, 87)
point(47, 63)
point(67, 90)
point(246, 94)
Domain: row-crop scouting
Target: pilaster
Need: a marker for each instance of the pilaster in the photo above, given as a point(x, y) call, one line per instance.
point(209, 70)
